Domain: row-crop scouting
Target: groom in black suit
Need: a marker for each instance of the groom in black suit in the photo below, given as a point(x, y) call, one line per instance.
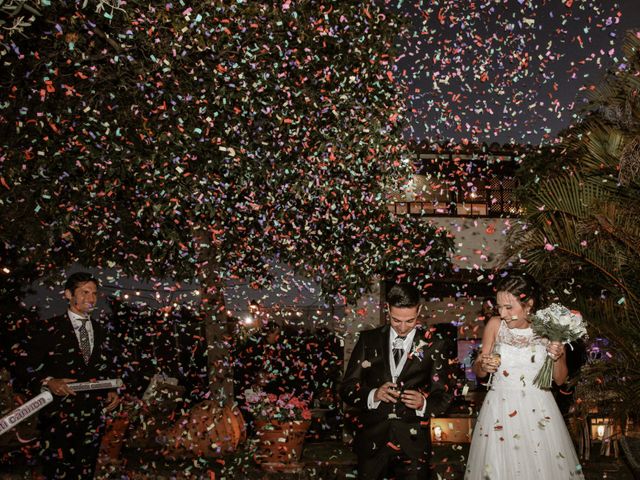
point(68, 348)
point(398, 376)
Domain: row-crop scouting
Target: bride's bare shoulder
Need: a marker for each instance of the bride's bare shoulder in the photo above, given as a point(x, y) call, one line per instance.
point(494, 320)
point(494, 323)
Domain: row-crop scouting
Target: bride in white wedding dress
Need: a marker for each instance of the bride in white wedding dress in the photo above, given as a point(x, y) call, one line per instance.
point(520, 433)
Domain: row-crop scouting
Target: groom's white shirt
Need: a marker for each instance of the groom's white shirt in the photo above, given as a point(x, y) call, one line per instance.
point(396, 370)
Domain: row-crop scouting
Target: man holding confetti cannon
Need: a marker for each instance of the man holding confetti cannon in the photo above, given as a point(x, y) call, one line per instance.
point(69, 356)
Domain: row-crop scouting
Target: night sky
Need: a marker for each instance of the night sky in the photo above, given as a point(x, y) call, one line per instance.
point(506, 71)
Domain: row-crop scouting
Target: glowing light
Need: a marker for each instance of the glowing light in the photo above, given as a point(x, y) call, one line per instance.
point(247, 319)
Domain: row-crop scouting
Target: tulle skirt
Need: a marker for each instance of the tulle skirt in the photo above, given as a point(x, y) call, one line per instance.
point(520, 434)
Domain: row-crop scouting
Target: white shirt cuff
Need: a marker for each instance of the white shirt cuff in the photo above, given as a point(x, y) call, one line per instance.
point(371, 404)
point(421, 411)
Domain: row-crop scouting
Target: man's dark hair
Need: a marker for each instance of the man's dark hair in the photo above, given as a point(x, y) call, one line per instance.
point(403, 295)
point(77, 279)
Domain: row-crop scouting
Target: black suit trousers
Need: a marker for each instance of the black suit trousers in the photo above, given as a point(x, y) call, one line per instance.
point(70, 440)
point(405, 455)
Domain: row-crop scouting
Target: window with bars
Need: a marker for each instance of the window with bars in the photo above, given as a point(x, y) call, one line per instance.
point(492, 197)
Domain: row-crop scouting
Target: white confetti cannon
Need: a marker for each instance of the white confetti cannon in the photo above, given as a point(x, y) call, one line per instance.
point(99, 385)
point(30, 407)
point(24, 411)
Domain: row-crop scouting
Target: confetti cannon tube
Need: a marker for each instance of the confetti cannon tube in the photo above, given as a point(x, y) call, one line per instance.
point(99, 385)
point(24, 411)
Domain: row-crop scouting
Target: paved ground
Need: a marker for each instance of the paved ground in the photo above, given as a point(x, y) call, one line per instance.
point(321, 461)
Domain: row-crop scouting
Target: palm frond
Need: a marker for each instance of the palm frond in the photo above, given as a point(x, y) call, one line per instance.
point(581, 230)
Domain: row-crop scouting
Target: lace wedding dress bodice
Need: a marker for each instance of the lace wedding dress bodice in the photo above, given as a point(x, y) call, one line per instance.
point(518, 337)
point(522, 355)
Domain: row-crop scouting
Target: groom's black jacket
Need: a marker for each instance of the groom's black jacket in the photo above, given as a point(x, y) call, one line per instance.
point(427, 369)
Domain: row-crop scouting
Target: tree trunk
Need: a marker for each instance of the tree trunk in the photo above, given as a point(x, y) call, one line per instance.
point(218, 338)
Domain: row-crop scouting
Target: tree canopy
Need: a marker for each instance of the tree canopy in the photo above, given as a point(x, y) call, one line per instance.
point(206, 140)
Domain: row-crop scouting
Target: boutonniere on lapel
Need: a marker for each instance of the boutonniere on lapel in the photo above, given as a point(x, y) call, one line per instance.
point(417, 350)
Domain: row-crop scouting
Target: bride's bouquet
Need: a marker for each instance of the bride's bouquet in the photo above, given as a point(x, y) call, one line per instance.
point(558, 324)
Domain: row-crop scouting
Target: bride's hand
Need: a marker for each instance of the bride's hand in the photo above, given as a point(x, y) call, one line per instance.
point(488, 363)
point(555, 350)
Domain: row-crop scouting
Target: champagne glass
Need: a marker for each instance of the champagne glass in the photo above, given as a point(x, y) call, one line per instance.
point(495, 358)
point(393, 413)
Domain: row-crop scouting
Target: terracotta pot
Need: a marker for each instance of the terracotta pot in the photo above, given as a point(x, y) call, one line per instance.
point(208, 430)
point(280, 444)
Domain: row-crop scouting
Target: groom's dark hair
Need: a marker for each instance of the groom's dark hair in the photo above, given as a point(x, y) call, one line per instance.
point(403, 295)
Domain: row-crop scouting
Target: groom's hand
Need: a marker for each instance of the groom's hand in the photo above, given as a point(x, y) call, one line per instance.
point(387, 392)
point(412, 399)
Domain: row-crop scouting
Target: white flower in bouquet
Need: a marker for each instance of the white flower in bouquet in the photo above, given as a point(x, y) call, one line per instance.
point(558, 324)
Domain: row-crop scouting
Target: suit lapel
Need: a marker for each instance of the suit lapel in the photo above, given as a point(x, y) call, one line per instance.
point(67, 332)
point(384, 346)
point(98, 337)
point(69, 342)
point(411, 355)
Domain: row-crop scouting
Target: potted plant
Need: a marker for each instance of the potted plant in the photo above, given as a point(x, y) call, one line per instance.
point(281, 424)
